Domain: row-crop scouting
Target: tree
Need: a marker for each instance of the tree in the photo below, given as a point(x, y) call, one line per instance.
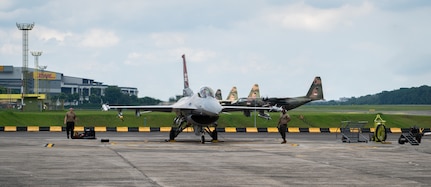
point(113, 95)
point(149, 101)
point(94, 98)
point(3, 90)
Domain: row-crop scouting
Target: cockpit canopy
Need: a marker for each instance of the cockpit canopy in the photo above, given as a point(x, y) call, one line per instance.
point(205, 92)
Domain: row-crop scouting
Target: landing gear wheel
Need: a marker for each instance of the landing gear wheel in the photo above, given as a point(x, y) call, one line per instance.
point(214, 135)
point(172, 134)
point(380, 133)
point(401, 140)
point(418, 138)
point(202, 139)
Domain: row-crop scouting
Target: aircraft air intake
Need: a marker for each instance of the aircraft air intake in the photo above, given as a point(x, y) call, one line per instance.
point(203, 119)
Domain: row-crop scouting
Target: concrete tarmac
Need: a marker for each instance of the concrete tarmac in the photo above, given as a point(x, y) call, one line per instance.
point(239, 159)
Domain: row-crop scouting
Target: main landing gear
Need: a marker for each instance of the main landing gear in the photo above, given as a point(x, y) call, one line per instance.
point(212, 133)
point(180, 124)
point(177, 127)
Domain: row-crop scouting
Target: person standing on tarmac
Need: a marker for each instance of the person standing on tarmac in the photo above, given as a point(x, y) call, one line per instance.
point(69, 121)
point(282, 124)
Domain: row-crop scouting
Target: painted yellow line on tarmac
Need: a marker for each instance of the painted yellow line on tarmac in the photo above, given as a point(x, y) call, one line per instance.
point(49, 145)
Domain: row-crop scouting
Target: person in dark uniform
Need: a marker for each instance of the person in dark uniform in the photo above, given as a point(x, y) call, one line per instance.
point(282, 124)
point(69, 121)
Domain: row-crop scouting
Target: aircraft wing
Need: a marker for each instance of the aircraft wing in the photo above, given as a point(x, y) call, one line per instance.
point(152, 108)
point(232, 108)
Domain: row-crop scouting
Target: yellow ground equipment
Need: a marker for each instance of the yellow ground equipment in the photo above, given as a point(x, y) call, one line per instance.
point(379, 134)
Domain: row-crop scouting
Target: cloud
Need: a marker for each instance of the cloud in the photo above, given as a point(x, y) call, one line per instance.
point(133, 58)
point(10, 49)
point(6, 4)
point(281, 45)
point(167, 39)
point(46, 34)
point(305, 17)
point(99, 38)
point(8, 46)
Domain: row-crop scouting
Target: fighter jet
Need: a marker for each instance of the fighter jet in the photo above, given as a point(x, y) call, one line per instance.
point(200, 110)
point(252, 100)
point(232, 97)
point(278, 103)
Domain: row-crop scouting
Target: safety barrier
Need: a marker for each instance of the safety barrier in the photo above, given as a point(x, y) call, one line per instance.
point(190, 129)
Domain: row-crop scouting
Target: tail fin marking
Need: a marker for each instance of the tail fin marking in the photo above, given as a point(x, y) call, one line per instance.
point(254, 92)
point(187, 91)
point(316, 91)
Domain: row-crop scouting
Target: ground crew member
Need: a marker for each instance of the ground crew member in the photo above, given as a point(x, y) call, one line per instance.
point(282, 124)
point(69, 121)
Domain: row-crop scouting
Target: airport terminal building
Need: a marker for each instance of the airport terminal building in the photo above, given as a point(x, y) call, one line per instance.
point(53, 83)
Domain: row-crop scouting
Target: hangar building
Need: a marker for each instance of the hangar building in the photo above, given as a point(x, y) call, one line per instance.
point(53, 83)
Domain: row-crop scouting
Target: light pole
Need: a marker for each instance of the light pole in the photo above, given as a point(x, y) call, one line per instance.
point(36, 55)
point(25, 27)
point(42, 68)
point(255, 114)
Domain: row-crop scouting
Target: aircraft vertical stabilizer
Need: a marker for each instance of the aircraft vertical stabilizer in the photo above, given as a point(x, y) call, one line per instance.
point(218, 95)
point(315, 92)
point(187, 91)
point(254, 92)
point(233, 94)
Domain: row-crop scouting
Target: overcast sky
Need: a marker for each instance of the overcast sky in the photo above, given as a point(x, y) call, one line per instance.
point(356, 47)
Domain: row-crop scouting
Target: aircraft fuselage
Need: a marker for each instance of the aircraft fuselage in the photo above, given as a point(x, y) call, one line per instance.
point(288, 103)
point(201, 109)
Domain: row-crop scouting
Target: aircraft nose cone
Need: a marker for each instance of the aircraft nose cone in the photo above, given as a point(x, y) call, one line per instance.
point(213, 107)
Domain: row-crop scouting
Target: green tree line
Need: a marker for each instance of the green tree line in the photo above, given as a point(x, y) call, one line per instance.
point(112, 96)
point(403, 96)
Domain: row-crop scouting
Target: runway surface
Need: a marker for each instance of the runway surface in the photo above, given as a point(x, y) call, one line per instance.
point(239, 159)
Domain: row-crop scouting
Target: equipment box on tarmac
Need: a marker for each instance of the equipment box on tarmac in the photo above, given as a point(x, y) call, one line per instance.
point(89, 133)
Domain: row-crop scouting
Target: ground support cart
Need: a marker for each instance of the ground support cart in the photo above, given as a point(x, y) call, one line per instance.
point(414, 136)
point(379, 134)
point(351, 132)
